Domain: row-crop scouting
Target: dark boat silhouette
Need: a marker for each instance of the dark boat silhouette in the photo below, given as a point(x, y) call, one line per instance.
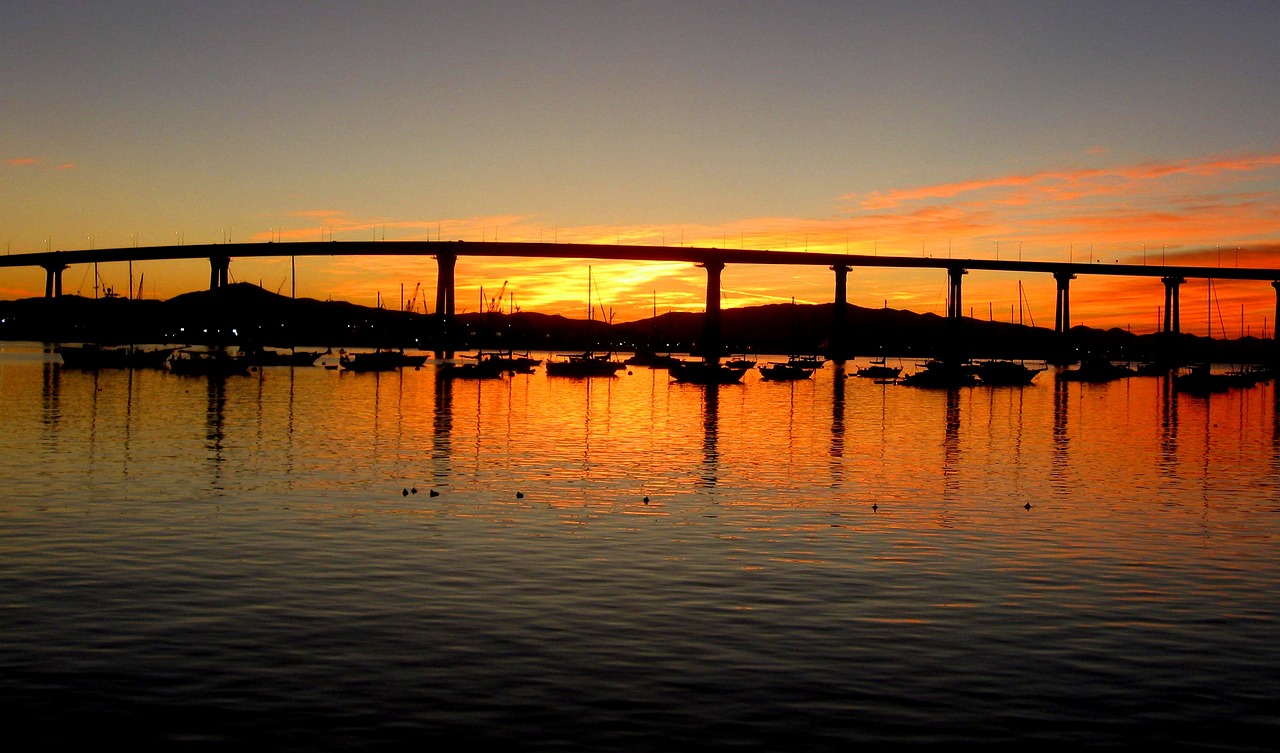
point(999, 373)
point(94, 356)
point(584, 365)
point(477, 369)
point(504, 361)
point(208, 363)
point(943, 374)
point(1097, 370)
point(878, 369)
point(651, 359)
point(707, 372)
point(794, 368)
point(379, 360)
point(259, 356)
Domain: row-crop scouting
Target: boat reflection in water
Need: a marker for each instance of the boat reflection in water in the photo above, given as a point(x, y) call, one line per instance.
point(295, 559)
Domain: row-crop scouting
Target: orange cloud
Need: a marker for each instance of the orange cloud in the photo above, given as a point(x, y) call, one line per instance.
point(1072, 184)
point(23, 161)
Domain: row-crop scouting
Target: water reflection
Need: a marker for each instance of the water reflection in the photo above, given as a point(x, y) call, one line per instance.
point(442, 426)
point(836, 451)
point(215, 424)
point(710, 435)
point(951, 445)
point(1061, 437)
point(1168, 407)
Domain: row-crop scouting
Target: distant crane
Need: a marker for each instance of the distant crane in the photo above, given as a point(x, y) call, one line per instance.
point(413, 298)
point(494, 305)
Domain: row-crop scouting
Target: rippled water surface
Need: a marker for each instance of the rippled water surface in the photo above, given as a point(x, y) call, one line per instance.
point(316, 559)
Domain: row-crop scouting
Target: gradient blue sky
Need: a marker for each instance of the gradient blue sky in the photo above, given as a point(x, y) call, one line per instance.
point(1047, 129)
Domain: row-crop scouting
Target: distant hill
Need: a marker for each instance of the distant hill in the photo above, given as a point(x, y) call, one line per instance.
point(242, 313)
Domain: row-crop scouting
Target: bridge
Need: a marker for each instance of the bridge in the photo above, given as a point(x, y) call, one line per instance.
point(713, 260)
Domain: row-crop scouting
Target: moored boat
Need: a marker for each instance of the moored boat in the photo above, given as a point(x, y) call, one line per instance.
point(1097, 370)
point(1006, 373)
point(208, 363)
point(379, 360)
point(584, 365)
point(943, 374)
point(257, 356)
point(707, 372)
point(93, 356)
point(1201, 380)
point(878, 369)
point(478, 369)
point(793, 369)
point(505, 361)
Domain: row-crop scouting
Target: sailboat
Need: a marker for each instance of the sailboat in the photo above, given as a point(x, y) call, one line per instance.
point(588, 363)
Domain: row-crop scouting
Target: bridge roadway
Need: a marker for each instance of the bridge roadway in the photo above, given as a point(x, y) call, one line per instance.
point(713, 260)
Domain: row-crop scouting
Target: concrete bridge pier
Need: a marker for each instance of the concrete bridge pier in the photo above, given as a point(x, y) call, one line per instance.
point(53, 280)
point(445, 266)
point(1062, 310)
point(219, 271)
point(711, 343)
point(955, 307)
point(839, 344)
point(1172, 307)
point(1275, 323)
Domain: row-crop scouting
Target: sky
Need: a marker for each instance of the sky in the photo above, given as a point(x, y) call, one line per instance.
point(1131, 132)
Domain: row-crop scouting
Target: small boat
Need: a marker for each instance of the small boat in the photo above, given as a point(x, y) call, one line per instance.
point(217, 363)
point(742, 362)
point(585, 365)
point(1097, 370)
point(878, 369)
point(506, 361)
point(943, 374)
point(379, 360)
point(478, 369)
point(707, 372)
point(259, 356)
point(651, 359)
point(1006, 373)
point(794, 368)
point(1201, 380)
point(93, 356)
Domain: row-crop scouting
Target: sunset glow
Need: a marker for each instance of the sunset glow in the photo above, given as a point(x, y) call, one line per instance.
point(657, 144)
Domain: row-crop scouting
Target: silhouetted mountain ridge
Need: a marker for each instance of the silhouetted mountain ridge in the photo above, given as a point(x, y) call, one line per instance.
point(243, 312)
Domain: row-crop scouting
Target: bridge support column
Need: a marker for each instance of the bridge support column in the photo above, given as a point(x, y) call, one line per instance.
point(1275, 323)
point(53, 280)
point(1062, 310)
point(840, 315)
point(955, 308)
point(711, 324)
point(219, 271)
point(445, 264)
point(1172, 308)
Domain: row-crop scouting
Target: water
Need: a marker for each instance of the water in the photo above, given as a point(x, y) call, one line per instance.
point(629, 564)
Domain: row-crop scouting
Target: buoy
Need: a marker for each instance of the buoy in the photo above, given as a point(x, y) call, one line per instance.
point(1027, 506)
point(405, 492)
point(435, 493)
point(874, 507)
point(414, 490)
point(646, 500)
point(519, 495)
